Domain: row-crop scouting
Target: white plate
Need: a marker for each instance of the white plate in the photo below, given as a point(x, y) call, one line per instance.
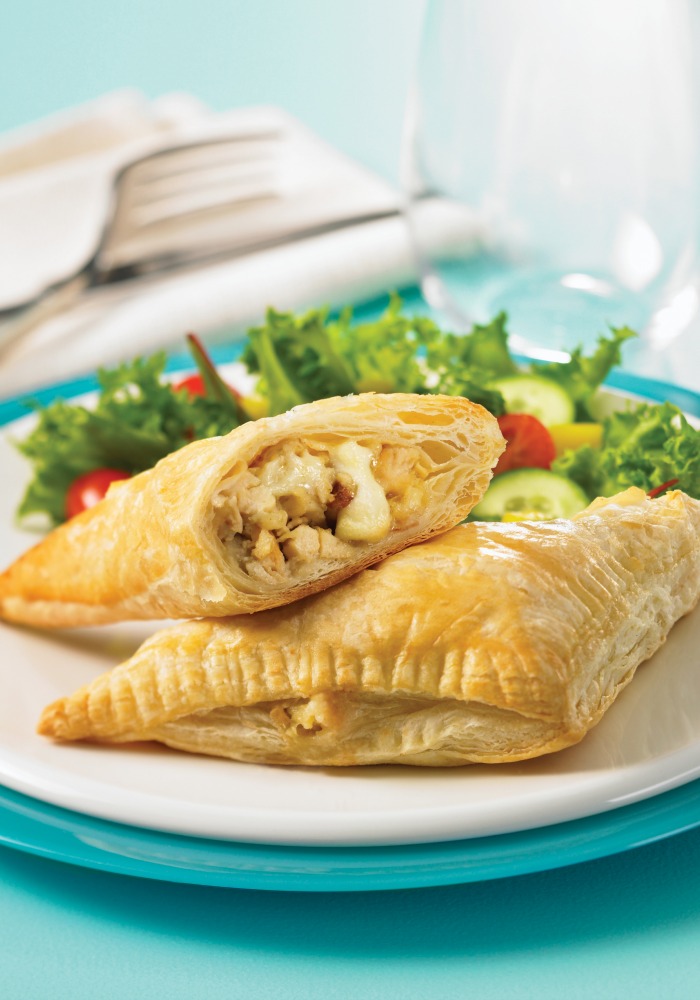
point(647, 743)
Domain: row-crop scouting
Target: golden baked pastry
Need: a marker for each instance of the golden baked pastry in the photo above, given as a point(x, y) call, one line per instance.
point(275, 510)
point(491, 643)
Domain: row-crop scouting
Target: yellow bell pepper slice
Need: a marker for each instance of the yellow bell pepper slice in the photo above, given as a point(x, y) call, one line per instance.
point(523, 515)
point(570, 436)
point(255, 406)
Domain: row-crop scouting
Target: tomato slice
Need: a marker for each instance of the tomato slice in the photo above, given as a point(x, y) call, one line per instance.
point(194, 385)
point(530, 445)
point(90, 488)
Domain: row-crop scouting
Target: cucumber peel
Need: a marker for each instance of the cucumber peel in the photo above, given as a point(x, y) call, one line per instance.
point(539, 492)
point(537, 395)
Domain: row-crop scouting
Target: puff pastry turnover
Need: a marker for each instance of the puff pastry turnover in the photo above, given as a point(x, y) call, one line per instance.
point(275, 510)
point(491, 643)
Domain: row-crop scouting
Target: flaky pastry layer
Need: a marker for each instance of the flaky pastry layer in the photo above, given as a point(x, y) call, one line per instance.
point(491, 643)
point(159, 546)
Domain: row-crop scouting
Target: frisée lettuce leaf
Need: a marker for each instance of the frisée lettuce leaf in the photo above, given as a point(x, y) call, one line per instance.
point(645, 446)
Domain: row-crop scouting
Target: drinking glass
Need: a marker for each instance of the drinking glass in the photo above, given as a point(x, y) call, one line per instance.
point(551, 164)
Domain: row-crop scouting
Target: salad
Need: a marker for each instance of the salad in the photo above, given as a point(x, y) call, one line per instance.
point(558, 457)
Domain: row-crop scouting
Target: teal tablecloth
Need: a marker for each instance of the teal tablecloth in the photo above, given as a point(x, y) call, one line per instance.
point(628, 925)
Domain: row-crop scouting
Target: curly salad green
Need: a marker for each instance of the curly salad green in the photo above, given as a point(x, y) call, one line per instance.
point(139, 417)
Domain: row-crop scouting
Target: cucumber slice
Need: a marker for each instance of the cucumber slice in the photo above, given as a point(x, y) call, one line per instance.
point(537, 395)
point(530, 490)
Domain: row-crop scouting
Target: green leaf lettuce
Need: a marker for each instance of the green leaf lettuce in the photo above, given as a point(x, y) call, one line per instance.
point(645, 446)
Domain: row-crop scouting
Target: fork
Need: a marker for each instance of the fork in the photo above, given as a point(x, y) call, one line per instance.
point(160, 215)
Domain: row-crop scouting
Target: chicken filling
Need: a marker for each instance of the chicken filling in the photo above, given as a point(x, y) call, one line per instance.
point(303, 501)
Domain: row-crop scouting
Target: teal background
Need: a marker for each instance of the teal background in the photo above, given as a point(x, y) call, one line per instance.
point(626, 925)
point(341, 65)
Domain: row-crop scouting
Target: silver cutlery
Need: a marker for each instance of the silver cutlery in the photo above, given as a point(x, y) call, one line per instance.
point(156, 217)
point(196, 203)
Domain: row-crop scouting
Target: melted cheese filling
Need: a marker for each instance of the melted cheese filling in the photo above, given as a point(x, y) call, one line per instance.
point(367, 517)
point(302, 502)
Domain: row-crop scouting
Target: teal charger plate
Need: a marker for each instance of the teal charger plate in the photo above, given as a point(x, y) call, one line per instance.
point(38, 828)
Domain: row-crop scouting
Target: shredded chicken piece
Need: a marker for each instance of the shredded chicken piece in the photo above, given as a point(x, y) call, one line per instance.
point(333, 548)
point(402, 472)
point(408, 506)
point(279, 514)
point(303, 543)
point(398, 467)
point(267, 550)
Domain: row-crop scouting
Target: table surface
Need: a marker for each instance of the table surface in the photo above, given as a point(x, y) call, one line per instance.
point(628, 924)
point(623, 926)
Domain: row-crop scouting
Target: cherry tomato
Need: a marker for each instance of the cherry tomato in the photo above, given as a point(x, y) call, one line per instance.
point(530, 445)
point(194, 385)
point(90, 488)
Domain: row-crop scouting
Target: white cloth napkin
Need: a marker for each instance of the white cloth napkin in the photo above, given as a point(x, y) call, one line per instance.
point(55, 179)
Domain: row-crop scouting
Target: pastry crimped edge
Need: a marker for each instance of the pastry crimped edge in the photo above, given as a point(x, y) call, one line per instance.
point(148, 551)
point(491, 643)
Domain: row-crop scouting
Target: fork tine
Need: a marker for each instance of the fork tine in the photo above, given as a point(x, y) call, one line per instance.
point(184, 161)
point(188, 203)
point(208, 175)
point(182, 181)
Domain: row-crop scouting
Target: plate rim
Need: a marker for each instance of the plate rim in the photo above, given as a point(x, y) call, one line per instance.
point(35, 827)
